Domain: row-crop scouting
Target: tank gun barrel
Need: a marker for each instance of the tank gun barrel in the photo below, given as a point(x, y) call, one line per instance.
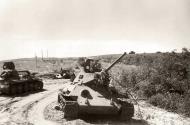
point(116, 61)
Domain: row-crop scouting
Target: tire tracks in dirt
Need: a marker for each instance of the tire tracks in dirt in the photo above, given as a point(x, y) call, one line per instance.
point(36, 115)
point(29, 110)
point(21, 116)
point(18, 111)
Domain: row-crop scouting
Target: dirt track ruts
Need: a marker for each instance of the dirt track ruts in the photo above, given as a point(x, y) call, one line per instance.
point(28, 109)
point(16, 109)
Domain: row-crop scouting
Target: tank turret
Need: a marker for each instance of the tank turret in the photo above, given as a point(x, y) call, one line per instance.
point(9, 71)
point(8, 65)
point(89, 94)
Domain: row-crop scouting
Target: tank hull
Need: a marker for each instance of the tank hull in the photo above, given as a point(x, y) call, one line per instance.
point(76, 105)
point(13, 87)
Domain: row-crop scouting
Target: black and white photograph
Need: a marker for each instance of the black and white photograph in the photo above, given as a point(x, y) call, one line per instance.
point(94, 62)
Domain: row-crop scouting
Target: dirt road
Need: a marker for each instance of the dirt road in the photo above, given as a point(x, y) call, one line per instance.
point(29, 110)
point(21, 109)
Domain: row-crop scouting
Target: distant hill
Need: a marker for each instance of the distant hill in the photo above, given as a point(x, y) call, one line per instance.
point(50, 64)
point(45, 65)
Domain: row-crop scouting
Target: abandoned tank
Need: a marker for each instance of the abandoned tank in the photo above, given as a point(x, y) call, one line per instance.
point(91, 94)
point(65, 74)
point(16, 82)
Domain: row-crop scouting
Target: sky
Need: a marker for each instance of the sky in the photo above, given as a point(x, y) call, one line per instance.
point(71, 28)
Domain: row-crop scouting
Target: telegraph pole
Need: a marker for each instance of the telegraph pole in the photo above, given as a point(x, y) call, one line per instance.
point(47, 54)
point(42, 55)
point(36, 60)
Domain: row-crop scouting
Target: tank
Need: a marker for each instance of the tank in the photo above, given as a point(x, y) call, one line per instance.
point(91, 94)
point(66, 74)
point(14, 82)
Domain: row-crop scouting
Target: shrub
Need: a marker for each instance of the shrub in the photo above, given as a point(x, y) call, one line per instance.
point(174, 101)
point(187, 104)
point(158, 100)
point(164, 78)
point(132, 52)
point(81, 61)
point(149, 90)
point(141, 87)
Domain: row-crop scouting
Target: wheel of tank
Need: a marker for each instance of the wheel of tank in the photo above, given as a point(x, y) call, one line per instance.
point(126, 111)
point(58, 99)
point(61, 102)
point(36, 86)
point(26, 88)
point(13, 90)
point(41, 85)
point(19, 89)
point(31, 87)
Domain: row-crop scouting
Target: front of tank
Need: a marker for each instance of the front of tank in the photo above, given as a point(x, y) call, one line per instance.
point(94, 103)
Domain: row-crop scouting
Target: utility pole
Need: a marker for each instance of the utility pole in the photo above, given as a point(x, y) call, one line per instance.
point(36, 60)
point(42, 55)
point(47, 54)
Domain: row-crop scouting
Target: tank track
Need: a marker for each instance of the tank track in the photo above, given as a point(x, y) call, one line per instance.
point(25, 87)
point(126, 111)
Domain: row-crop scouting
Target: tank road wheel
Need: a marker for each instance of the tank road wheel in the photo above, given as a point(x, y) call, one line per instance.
point(19, 89)
point(13, 90)
point(61, 101)
point(41, 85)
point(31, 87)
point(126, 111)
point(58, 99)
point(36, 86)
point(26, 88)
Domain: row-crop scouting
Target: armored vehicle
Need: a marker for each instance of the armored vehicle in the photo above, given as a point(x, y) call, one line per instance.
point(91, 94)
point(67, 74)
point(16, 82)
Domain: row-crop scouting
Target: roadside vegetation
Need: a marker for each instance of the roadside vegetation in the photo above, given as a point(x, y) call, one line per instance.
point(163, 79)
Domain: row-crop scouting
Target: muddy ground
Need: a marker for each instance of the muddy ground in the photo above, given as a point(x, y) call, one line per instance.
point(38, 109)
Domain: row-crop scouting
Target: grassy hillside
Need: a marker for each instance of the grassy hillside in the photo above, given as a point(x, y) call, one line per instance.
point(162, 78)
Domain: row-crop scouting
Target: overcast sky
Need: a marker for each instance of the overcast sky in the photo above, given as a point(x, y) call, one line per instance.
point(92, 27)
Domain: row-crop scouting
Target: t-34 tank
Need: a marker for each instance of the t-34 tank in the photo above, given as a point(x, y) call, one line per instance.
point(90, 94)
point(16, 82)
